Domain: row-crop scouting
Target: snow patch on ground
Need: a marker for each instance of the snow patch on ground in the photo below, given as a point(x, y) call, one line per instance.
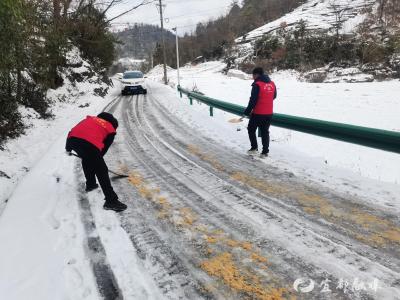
point(42, 254)
point(337, 75)
point(131, 272)
point(238, 74)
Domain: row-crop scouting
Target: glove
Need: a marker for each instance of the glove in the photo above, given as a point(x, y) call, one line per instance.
point(68, 147)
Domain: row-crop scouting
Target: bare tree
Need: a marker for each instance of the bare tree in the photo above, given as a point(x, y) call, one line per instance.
point(107, 6)
point(388, 14)
point(339, 11)
point(57, 9)
point(67, 4)
point(381, 9)
point(113, 3)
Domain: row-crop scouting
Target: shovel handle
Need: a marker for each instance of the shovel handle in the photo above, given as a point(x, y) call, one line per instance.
point(109, 171)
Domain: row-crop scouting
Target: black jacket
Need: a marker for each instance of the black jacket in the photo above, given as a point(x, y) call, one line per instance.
point(255, 92)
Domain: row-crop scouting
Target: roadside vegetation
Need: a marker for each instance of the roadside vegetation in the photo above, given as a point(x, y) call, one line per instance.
point(35, 39)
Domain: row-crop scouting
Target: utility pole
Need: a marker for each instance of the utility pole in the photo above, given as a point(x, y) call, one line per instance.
point(163, 42)
point(177, 56)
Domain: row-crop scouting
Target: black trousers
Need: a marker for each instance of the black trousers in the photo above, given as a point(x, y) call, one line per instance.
point(263, 122)
point(93, 166)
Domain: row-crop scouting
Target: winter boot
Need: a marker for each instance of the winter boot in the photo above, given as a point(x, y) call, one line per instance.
point(252, 151)
point(114, 205)
point(264, 154)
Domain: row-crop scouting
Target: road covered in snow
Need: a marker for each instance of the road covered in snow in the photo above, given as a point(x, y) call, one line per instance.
point(204, 221)
point(214, 223)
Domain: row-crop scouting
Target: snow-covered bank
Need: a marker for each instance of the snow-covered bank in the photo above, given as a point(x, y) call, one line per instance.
point(21, 155)
point(42, 253)
point(43, 250)
point(352, 168)
point(70, 102)
point(47, 251)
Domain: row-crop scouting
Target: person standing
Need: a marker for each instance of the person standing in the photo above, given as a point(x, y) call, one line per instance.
point(91, 139)
point(260, 110)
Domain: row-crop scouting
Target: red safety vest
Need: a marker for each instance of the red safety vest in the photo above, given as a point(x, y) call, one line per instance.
point(93, 130)
point(265, 102)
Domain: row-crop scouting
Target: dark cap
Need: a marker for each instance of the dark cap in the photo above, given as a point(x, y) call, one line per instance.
point(258, 71)
point(109, 118)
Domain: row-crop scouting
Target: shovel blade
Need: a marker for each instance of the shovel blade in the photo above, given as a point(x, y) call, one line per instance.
point(236, 120)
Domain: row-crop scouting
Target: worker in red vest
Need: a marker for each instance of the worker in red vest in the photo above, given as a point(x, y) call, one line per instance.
point(91, 139)
point(260, 110)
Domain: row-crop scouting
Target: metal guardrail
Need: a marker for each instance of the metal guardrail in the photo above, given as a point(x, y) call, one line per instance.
point(364, 136)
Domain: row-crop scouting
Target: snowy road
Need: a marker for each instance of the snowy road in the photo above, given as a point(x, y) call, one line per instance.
point(206, 222)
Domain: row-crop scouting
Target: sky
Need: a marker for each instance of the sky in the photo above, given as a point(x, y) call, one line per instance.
point(182, 13)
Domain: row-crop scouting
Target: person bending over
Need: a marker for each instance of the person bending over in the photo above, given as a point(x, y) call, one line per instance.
point(91, 139)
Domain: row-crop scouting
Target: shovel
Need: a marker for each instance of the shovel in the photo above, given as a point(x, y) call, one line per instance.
point(118, 175)
point(236, 120)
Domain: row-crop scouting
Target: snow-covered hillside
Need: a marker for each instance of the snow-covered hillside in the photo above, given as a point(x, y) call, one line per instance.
point(319, 14)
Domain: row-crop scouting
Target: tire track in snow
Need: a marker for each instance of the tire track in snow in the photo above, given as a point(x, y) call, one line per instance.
point(172, 168)
point(365, 258)
point(166, 267)
point(105, 279)
point(345, 233)
point(135, 140)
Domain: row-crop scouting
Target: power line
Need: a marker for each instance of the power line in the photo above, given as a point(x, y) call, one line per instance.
point(186, 1)
point(128, 24)
point(182, 16)
point(199, 13)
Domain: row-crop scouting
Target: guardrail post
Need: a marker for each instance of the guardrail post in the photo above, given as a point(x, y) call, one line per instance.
point(180, 91)
point(211, 111)
point(191, 100)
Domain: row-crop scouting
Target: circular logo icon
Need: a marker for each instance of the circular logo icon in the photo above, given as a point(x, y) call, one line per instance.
point(304, 285)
